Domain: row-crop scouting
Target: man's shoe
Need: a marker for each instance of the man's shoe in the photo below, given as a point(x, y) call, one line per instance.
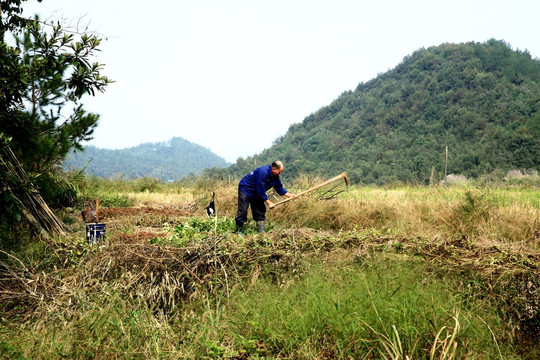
point(239, 230)
point(260, 226)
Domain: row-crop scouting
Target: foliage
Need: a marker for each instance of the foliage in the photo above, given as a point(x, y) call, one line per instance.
point(50, 120)
point(166, 161)
point(194, 229)
point(478, 99)
point(43, 78)
point(9, 18)
point(57, 190)
point(456, 180)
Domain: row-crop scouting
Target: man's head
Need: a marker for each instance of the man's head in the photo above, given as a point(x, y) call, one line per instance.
point(277, 167)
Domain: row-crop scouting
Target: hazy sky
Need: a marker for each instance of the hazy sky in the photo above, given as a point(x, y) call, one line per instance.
point(233, 75)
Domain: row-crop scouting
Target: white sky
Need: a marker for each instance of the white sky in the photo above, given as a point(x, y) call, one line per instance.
point(233, 75)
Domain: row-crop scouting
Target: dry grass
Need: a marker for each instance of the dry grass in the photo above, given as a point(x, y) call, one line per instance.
point(160, 198)
point(430, 214)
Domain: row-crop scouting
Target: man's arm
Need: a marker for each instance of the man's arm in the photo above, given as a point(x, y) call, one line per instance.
point(260, 177)
point(287, 194)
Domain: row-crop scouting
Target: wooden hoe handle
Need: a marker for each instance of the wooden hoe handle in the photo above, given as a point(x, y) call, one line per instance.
point(343, 175)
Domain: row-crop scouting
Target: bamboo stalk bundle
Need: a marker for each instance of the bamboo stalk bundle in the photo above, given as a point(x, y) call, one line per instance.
point(28, 196)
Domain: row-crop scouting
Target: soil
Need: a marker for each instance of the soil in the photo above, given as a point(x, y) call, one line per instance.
point(115, 213)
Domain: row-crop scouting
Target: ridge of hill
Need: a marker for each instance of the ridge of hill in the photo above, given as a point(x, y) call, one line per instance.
point(481, 100)
point(169, 160)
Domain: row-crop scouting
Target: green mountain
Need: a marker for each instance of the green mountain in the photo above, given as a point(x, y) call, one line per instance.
point(170, 160)
point(481, 100)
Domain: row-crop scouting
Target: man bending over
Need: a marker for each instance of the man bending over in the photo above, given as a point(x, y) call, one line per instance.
point(252, 191)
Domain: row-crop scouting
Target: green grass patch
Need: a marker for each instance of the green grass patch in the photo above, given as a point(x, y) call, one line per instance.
point(386, 307)
point(195, 229)
point(103, 327)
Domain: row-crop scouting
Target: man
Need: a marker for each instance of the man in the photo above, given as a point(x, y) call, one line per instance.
point(252, 191)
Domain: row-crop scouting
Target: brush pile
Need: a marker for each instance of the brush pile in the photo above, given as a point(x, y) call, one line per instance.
point(158, 275)
point(162, 277)
point(21, 288)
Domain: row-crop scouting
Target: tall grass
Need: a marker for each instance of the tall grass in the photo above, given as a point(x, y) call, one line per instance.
point(390, 308)
point(484, 217)
point(96, 327)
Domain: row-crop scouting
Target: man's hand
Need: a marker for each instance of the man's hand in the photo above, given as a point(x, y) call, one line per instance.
point(270, 204)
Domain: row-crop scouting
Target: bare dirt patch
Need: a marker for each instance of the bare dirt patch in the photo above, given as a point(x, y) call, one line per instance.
point(117, 212)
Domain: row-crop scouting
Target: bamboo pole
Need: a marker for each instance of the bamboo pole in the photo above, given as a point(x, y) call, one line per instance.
point(97, 207)
point(29, 198)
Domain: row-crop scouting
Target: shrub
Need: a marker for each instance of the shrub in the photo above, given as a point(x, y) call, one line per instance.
point(527, 179)
point(456, 180)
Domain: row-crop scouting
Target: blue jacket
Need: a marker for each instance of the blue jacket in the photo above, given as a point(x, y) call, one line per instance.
point(259, 181)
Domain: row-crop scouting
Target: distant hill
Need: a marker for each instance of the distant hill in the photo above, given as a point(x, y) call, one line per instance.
point(481, 100)
point(170, 160)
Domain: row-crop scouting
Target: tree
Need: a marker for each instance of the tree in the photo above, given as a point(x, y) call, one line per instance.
point(43, 78)
point(58, 72)
point(9, 16)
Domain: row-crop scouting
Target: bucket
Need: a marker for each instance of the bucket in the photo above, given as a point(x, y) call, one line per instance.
point(95, 232)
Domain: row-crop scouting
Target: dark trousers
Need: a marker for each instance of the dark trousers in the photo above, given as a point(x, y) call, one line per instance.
point(258, 208)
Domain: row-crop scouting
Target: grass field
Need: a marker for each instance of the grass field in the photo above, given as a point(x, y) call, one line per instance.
point(372, 273)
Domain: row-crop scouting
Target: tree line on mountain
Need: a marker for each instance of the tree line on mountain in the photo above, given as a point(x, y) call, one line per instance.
point(167, 161)
point(481, 101)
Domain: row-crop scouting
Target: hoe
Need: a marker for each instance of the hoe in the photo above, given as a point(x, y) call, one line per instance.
point(343, 175)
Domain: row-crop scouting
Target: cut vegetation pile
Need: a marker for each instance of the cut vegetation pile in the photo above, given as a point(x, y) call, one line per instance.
point(432, 273)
